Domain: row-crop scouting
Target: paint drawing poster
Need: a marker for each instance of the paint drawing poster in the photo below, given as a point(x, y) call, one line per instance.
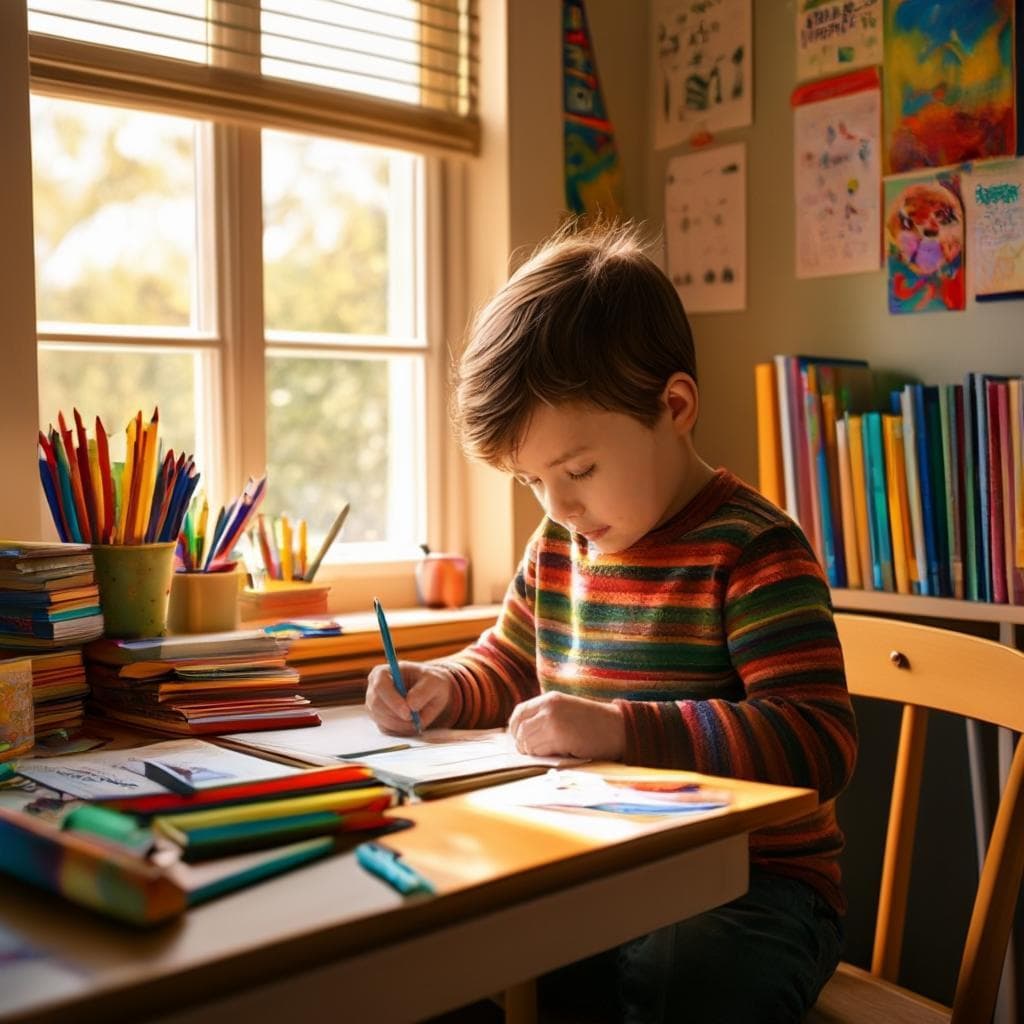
point(833, 36)
point(994, 203)
point(948, 82)
point(924, 235)
point(837, 175)
point(702, 73)
point(706, 228)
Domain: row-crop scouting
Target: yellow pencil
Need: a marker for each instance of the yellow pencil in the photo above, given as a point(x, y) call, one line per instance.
point(126, 480)
point(148, 479)
point(97, 487)
point(286, 548)
point(300, 569)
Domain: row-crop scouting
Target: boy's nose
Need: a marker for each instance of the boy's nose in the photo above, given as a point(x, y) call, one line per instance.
point(566, 512)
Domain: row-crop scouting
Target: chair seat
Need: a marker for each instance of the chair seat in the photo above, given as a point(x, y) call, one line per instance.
point(853, 995)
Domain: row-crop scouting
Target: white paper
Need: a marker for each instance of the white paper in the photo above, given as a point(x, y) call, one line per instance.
point(106, 774)
point(706, 228)
point(837, 174)
point(993, 194)
point(837, 36)
point(702, 69)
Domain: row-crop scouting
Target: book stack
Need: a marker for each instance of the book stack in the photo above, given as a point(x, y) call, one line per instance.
point(49, 607)
point(333, 669)
point(280, 600)
point(196, 684)
point(919, 491)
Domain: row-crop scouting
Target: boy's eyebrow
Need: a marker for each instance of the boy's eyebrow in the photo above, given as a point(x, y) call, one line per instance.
point(578, 450)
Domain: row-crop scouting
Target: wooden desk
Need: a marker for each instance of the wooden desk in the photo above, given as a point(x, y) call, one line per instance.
point(520, 891)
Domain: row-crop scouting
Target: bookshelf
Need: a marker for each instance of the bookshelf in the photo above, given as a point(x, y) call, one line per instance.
point(947, 608)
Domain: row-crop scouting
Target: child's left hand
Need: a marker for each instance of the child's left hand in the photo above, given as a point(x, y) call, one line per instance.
point(559, 725)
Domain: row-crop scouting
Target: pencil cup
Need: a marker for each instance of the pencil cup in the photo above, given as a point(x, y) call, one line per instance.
point(441, 580)
point(134, 582)
point(17, 718)
point(205, 602)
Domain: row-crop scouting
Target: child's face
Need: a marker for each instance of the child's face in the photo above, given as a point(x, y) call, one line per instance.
point(605, 475)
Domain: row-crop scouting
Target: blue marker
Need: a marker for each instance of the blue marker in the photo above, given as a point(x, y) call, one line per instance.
point(389, 651)
point(385, 863)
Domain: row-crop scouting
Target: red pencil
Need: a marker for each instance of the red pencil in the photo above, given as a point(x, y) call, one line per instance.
point(76, 480)
point(86, 475)
point(103, 454)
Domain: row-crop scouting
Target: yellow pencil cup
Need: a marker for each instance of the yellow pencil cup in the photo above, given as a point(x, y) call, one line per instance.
point(134, 582)
point(17, 718)
point(205, 602)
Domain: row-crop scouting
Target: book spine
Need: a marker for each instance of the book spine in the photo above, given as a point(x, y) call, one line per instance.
point(1017, 481)
point(858, 481)
point(878, 512)
point(924, 479)
point(834, 522)
point(892, 431)
point(769, 438)
point(813, 448)
point(947, 413)
point(1006, 473)
point(850, 546)
point(982, 466)
point(997, 559)
point(787, 434)
point(939, 495)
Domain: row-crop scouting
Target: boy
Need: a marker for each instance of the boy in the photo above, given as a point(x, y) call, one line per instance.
point(664, 614)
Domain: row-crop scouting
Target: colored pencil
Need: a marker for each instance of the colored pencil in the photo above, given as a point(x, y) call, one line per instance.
point(328, 541)
point(109, 502)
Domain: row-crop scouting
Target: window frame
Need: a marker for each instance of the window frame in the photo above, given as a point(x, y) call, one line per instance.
point(237, 347)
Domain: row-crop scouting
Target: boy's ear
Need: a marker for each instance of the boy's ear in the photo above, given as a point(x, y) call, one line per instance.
point(683, 402)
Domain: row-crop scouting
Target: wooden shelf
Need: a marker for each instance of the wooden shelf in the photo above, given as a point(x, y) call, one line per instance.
point(930, 607)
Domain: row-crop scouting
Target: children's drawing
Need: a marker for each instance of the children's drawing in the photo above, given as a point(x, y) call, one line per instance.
point(924, 228)
point(948, 82)
point(837, 175)
point(705, 228)
point(837, 35)
point(994, 202)
point(703, 79)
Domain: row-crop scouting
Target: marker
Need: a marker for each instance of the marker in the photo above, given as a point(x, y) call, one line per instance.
point(389, 651)
point(386, 864)
point(113, 826)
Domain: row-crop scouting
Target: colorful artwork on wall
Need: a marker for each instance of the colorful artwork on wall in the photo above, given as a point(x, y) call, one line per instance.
point(833, 36)
point(948, 82)
point(994, 203)
point(837, 174)
point(706, 228)
point(593, 179)
point(703, 80)
point(924, 231)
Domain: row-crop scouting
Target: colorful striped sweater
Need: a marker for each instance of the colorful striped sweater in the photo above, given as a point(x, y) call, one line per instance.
point(715, 634)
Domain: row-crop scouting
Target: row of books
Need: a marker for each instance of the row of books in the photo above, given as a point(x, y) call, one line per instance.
point(50, 607)
point(903, 487)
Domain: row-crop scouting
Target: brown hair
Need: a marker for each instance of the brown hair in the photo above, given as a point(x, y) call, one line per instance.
point(588, 318)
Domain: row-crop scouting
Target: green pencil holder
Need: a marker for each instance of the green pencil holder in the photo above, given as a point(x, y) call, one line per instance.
point(134, 582)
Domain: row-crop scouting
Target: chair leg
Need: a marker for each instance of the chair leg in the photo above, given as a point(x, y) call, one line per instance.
point(521, 1003)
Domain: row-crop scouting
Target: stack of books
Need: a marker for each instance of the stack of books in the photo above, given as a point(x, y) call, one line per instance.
point(280, 600)
point(333, 669)
point(195, 684)
point(49, 607)
point(917, 490)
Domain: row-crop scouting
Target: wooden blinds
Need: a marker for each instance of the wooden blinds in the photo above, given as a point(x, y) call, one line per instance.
point(396, 71)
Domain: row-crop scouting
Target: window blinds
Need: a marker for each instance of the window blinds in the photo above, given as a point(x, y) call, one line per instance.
point(394, 71)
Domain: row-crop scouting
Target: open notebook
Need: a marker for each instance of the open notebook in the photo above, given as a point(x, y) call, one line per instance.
point(437, 763)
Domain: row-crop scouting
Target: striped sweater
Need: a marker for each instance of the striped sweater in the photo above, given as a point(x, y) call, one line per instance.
point(714, 633)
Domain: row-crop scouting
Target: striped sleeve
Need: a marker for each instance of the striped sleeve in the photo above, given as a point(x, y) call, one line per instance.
point(500, 670)
point(795, 725)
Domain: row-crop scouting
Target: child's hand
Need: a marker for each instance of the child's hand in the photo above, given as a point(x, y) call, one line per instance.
point(429, 687)
point(558, 725)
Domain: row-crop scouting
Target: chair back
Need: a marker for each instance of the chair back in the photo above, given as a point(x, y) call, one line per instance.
point(925, 668)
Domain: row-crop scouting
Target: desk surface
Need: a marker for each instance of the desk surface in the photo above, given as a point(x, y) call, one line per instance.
point(484, 856)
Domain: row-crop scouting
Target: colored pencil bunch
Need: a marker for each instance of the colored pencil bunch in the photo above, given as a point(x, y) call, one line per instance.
point(194, 553)
point(284, 549)
point(95, 501)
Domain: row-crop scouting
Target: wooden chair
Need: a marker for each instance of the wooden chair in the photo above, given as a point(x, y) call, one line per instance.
point(921, 668)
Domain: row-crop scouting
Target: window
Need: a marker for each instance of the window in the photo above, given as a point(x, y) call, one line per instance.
point(153, 175)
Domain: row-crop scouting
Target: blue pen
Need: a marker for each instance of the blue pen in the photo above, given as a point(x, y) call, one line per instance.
point(386, 864)
point(389, 651)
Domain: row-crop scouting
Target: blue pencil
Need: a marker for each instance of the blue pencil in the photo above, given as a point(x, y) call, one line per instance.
point(51, 498)
point(389, 652)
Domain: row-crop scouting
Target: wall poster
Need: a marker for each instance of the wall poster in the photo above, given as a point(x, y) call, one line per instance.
point(706, 228)
point(837, 175)
point(703, 75)
point(833, 36)
point(994, 203)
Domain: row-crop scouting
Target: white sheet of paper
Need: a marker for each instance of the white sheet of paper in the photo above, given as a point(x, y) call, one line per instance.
point(706, 228)
point(837, 36)
point(702, 70)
